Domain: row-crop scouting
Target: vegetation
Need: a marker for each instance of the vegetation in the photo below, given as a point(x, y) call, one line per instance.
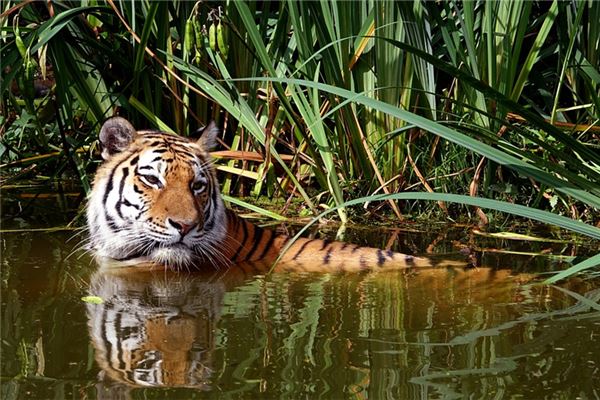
point(326, 101)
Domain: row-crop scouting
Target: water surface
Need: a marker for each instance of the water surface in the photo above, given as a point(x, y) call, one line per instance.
point(485, 332)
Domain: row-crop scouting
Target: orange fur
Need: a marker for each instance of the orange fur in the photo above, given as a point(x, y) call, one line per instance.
point(250, 243)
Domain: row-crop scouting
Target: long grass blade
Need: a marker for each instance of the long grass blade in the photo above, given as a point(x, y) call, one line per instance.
point(454, 136)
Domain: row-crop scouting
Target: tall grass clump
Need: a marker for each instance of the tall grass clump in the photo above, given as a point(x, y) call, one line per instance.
point(325, 101)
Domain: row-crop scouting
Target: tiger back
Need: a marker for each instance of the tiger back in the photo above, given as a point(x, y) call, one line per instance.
point(156, 199)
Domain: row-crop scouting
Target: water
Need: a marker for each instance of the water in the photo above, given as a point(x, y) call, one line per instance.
point(487, 332)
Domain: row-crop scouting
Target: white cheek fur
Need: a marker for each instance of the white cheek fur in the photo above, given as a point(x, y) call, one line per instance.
point(111, 222)
point(132, 208)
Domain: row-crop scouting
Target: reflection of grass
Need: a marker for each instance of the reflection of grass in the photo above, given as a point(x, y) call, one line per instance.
point(442, 382)
point(500, 367)
point(40, 322)
point(385, 333)
point(582, 308)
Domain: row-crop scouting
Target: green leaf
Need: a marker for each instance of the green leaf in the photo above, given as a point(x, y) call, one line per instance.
point(582, 266)
point(532, 57)
point(92, 299)
point(55, 24)
point(150, 115)
point(454, 136)
point(252, 207)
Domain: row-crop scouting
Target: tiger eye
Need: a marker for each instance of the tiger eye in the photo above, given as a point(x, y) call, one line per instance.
point(198, 186)
point(152, 180)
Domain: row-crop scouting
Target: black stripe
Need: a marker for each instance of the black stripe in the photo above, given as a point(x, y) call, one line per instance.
point(302, 248)
point(129, 376)
point(137, 189)
point(409, 259)
point(380, 258)
point(111, 223)
point(119, 344)
point(325, 244)
point(327, 257)
point(344, 246)
point(192, 163)
point(154, 135)
point(214, 193)
point(209, 217)
point(243, 241)
point(121, 188)
point(390, 254)
point(146, 167)
point(178, 141)
point(181, 152)
point(209, 222)
point(122, 183)
point(105, 340)
point(107, 190)
point(267, 245)
point(134, 160)
point(356, 247)
point(258, 232)
point(127, 203)
point(109, 184)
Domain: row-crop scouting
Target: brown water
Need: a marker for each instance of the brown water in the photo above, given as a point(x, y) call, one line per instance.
point(475, 333)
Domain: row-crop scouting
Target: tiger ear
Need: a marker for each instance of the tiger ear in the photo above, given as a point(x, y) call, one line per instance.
point(116, 135)
point(208, 136)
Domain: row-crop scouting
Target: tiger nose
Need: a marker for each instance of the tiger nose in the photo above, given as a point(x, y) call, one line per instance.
point(181, 227)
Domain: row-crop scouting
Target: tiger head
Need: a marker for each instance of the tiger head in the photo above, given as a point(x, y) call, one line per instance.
point(156, 197)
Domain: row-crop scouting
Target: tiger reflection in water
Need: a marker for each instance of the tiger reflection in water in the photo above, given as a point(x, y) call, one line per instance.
point(154, 329)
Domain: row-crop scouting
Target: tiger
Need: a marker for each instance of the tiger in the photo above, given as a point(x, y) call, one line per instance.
point(156, 199)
